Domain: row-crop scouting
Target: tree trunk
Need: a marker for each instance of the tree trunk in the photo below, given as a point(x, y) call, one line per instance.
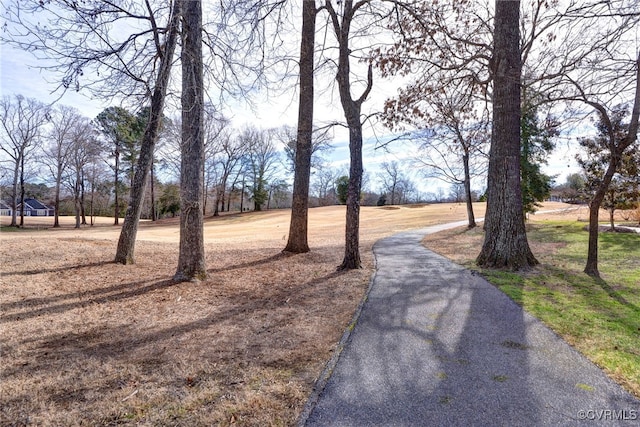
point(216, 209)
point(82, 211)
point(467, 191)
point(591, 267)
point(56, 204)
point(154, 215)
point(127, 240)
point(298, 228)
point(76, 200)
point(22, 192)
point(191, 261)
point(204, 193)
point(14, 195)
point(351, 258)
point(613, 225)
point(91, 200)
point(505, 244)
point(116, 214)
point(351, 108)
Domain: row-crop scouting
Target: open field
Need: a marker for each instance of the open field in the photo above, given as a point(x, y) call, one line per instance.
point(88, 342)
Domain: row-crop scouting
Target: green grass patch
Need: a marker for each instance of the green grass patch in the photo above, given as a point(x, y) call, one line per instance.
point(600, 317)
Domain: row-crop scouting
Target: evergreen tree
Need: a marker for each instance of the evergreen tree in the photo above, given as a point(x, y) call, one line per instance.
point(536, 143)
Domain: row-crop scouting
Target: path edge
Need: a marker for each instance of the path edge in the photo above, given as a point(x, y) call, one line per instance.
point(329, 367)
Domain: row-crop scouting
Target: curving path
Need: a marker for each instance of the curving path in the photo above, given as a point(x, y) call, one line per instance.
point(436, 345)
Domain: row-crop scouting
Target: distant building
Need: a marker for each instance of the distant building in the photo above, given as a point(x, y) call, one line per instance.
point(32, 207)
point(5, 208)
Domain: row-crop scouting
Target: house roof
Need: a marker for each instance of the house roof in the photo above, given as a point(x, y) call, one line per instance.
point(4, 205)
point(35, 204)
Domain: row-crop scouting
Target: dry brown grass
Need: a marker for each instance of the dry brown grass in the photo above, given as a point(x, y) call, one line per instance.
point(88, 342)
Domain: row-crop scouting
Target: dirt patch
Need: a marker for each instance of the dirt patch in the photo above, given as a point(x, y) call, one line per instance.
point(85, 341)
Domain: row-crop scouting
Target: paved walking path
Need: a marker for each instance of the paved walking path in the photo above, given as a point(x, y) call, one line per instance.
point(436, 345)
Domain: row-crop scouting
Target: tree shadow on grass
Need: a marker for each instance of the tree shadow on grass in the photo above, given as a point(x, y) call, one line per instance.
point(56, 270)
point(615, 295)
point(42, 305)
point(100, 296)
point(619, 242)
point(106, 342)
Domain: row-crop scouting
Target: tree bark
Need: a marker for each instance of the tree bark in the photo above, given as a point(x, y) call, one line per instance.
point(116, 214)
point(154, 215)
point(82, 210)
point(505, 244)
point(351, 258)
point(127, 240)
point(22, 191)
point(298, 229)
point(56, 213)
point(467, 191)
point(14, 194)
point(191, 260)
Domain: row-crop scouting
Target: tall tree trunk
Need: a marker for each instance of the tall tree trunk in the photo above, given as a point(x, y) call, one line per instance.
point(191, 260)
point(298, 228)
point(116, 214)
point(505, 243)
point(154, 215)
point(591, 267)
point(204, 193)
point(92, 199)
point(14, 195)
point(82, 210)
point(351, 108)
point(76, 200)
point(22, 192)
point(56, 204)
point(467, 191)
point(351, 258)
point(611, 213)
point(127, 240)
point(242, 195)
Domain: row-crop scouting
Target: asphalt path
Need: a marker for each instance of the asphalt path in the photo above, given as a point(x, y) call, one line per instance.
point(433, 344)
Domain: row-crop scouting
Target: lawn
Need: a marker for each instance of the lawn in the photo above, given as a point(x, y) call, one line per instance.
point(599, 317)
point(85, 341)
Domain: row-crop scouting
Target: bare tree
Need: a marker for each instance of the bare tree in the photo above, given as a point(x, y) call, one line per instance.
point(341, 22)
point(623, 191)
point(261, 161)
point(84, 151)
point(593, 61)
point(216, 134)
point(22, 121)
point(320, 146)
point(56, 155)
point(82, 51)
point(323, 186)
point(191, 260)
point(391, 178)
point(230, 156)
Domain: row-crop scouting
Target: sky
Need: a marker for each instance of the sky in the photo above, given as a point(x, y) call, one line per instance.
point(19, 74)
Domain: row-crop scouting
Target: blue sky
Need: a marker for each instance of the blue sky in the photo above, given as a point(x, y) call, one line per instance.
point(19, 75)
